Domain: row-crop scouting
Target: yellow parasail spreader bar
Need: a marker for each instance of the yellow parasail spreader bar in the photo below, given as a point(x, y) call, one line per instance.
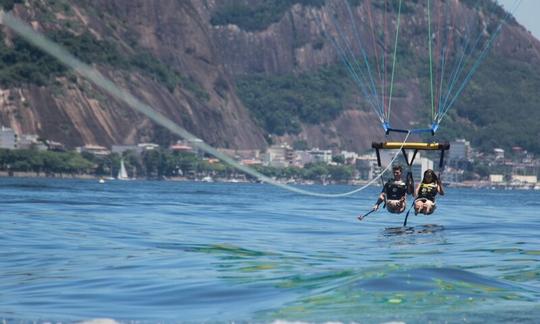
point(411, 146)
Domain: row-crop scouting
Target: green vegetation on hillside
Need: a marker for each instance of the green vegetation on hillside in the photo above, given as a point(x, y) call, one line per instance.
point(281, 102)
point(8, 4)
point(501, 103)
point(256, 17)
point(23, 63)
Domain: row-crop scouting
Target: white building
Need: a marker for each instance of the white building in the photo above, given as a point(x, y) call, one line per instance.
point(419, 166)
point(524, 179)
point(238, 154)
point(496, 178)
point(148, 146)
point(301, 158)
point(29, 141)
point(324, 156)
point(452, 175)
point(119, 149)
point(367, 166)
point(8, 138)
point(350, 157)
point(499, 153)
point(279, 156)
point(94, 149)
point(459, 150)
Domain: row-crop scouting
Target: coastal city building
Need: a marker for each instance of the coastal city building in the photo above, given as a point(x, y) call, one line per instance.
point(453, 175)
point(251, 162)
point(524, 179)
point(367, 166)
point(302, 158)
point(496, 179)
point(460, 149)
point(279, 156)
point(499, 153)
point(55, 146)
point(241, 154)
point(349, 157)
point(120, 149)
point(323, 156)
point(8, 138)
point(30, 141)
point(148, 146)
point(94, 149)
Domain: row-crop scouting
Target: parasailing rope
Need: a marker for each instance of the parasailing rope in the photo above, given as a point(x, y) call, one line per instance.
point(476, 63)
point(430, 62)
point(394, 62)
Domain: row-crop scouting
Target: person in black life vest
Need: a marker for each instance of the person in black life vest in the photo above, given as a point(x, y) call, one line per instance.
point(426, 191)
point(394, 192)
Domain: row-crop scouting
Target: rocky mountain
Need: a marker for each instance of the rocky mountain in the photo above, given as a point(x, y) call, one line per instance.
point(186, 58)
point(180, 75)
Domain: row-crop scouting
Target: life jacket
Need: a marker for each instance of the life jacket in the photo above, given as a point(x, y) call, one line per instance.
point(428, 191)
point(395, 190)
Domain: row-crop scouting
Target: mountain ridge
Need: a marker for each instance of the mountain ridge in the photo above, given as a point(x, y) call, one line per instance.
point(169, 54)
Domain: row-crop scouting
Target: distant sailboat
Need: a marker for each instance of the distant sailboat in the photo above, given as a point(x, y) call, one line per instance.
point(207, 179)
point(122, 174)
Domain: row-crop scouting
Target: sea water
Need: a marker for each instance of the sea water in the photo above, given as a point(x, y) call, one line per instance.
point(74, 250)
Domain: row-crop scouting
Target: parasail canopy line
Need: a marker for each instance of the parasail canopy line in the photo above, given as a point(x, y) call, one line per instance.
point(454, 60)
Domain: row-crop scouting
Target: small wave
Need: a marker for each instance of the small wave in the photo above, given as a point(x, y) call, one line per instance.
point(224, 249)
point(452, 281)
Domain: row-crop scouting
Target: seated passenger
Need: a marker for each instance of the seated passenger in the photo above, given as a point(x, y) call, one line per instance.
point(426, 191)
point(394, 193)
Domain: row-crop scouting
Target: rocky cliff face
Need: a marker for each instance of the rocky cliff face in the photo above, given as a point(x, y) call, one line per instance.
point(74, 112)
point(180, 35)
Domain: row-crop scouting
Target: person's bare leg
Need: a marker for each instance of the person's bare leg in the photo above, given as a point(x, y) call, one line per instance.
point(429, 207)
point(418, 205)
point(392, 206)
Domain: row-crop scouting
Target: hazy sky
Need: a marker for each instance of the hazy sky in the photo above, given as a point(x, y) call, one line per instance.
point(527, 14)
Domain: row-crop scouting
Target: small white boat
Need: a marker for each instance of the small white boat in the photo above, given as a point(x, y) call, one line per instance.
point(122, 173)
point(207, 179)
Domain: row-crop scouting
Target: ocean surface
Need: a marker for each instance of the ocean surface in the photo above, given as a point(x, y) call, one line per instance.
point(142, 251)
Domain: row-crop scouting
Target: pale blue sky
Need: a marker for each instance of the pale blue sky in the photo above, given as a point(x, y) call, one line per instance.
point(527, 14)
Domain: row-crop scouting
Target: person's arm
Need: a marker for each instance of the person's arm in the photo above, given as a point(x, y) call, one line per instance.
point(417, 191)
point(379, 201)
point(440, 189)
point(410, 184)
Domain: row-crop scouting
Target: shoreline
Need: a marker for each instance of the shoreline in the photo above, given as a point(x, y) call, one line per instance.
point(467, 184)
